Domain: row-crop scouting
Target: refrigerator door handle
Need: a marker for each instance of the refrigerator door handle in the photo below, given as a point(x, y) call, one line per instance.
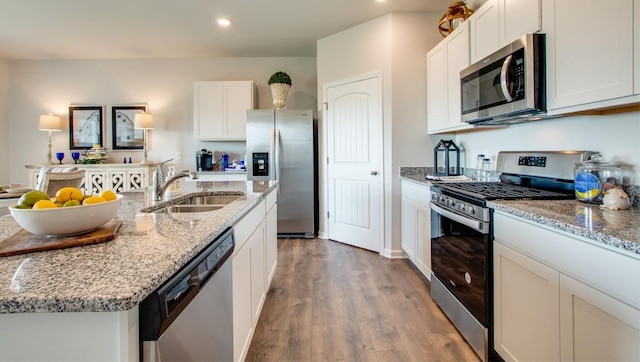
point(277, 153)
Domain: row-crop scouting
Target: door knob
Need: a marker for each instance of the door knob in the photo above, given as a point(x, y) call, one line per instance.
point(374, 173)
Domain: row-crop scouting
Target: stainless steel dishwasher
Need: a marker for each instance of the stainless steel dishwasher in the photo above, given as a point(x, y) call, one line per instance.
point(189, 318)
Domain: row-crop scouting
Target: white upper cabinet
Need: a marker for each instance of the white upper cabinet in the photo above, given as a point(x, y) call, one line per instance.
point(444, 63)
point(220, 109)
point(499, 22)
point(517, 18)
point(485, 31)
point(590, 55)
point(437, 107)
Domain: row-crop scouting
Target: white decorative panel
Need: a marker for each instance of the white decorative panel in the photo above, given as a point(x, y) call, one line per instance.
point(352, 203)
point(351, 134)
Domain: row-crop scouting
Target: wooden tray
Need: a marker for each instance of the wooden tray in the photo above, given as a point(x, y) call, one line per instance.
point(24, 242)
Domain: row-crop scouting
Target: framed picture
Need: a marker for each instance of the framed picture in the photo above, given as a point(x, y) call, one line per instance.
point(125, 136)
point(85, 127)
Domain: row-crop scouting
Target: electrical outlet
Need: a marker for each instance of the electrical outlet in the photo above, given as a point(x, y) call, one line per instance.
point(178, 156)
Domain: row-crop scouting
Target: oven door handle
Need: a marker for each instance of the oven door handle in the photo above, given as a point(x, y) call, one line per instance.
point(478, 226)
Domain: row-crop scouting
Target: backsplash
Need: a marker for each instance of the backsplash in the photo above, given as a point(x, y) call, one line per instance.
point(420, 173)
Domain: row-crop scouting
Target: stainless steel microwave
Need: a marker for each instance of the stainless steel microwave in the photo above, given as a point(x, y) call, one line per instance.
point(508, 86)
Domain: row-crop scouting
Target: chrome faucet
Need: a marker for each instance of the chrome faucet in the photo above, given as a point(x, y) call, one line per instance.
point(160, 186)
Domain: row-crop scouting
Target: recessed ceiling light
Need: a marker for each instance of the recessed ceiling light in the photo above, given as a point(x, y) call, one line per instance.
point(223, 22)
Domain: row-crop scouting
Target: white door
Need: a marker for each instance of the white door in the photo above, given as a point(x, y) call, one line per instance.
point(354, 170)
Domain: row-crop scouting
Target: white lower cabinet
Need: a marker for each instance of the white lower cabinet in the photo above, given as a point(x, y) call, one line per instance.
point(562, 298)
point(526, 307)
point(258, 290)
point(242, 316)
point(271, 238)
point(416, 225)
point(596, 327)
point(253, 263)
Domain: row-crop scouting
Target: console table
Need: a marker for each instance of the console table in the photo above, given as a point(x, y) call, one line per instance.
point(107, 176)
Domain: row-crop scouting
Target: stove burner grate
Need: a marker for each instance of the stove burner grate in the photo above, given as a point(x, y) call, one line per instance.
point(502, 191)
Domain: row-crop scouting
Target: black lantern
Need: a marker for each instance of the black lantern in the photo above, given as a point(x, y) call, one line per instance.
point(445, 150)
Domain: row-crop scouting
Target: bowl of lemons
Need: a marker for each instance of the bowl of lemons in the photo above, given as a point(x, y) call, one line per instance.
point(71, 212)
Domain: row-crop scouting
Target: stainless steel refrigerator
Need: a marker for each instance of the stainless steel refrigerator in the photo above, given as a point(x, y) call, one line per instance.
point(281, 146)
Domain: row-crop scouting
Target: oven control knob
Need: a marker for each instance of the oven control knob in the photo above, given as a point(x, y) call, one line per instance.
point(461, 206)
point(470, 210)
point(451, 202)
point(442, 198)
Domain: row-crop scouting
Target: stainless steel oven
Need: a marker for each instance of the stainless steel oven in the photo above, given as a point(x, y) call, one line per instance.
point(461, 262)
point(462, 240)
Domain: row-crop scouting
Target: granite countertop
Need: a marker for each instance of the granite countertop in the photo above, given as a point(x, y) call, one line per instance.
point(117, 275)
point(615, 228)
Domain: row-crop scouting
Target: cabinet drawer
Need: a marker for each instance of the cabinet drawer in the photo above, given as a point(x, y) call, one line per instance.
point(245, 226)
point(417, 193)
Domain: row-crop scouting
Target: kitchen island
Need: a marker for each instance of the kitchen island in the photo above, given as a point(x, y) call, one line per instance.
point(81, 303)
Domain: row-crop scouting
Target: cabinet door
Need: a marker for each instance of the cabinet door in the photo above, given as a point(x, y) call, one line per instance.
point(271, 238)
point(208, 110)
point(485, 31)
point(589, 51)
point(437, 106)
point(409, 227)
point(457, 50)
point(518, 18)
point(595, 326)
point(96, 181)
point(444, 63)
point(238, 98)
point(242, 313)
point(257, 272)
point(416, 225)
point(526, 310)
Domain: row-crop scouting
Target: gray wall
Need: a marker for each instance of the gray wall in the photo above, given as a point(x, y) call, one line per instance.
point(166, 85)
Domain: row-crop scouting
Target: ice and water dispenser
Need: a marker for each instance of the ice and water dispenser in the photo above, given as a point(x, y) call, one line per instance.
point(260, 162)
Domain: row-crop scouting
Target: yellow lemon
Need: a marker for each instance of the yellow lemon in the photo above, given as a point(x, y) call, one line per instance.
point(93, 200)
point(44, 204)
point(108, 195)
point(69, 193)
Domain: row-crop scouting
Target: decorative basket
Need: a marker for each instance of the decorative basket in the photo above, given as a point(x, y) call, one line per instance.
point(279, 92)
point(455, 15)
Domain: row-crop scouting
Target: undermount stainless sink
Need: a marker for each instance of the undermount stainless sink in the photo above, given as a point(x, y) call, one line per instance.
point(199, 204)
point(209, 200)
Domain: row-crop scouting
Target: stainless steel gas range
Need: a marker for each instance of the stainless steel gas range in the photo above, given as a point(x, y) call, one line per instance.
point(461, 235)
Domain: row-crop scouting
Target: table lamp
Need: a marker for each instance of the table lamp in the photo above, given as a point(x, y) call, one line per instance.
point(49, 122)
point(144, 121)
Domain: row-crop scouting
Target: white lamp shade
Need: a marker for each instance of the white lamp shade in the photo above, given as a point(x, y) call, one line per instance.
point(49, 122)
point(143, 121)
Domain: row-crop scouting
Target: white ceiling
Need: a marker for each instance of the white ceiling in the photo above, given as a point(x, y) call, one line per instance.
point(121, 29)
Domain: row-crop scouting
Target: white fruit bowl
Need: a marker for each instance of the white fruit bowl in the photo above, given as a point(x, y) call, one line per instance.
point(63, 221)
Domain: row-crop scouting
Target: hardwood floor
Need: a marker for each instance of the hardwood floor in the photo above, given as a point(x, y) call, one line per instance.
point(333, 302)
